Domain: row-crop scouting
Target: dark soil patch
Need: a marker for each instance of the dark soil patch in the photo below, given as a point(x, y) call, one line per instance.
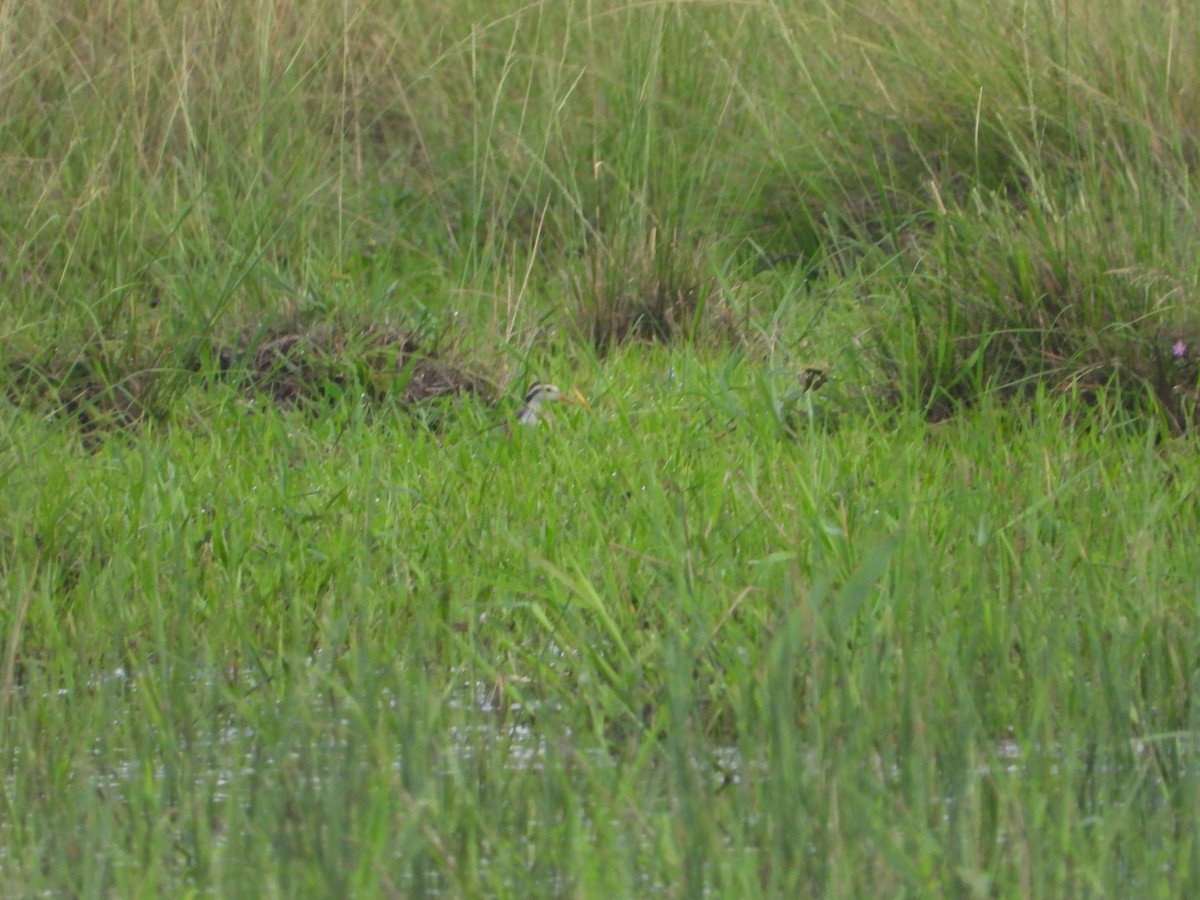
point(290, 367)
point(79, 390)
point(293, 367)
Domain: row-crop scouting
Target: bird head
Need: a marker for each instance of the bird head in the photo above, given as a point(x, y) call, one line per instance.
point(538, 398)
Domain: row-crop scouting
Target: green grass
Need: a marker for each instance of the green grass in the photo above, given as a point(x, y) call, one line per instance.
point(288, 612)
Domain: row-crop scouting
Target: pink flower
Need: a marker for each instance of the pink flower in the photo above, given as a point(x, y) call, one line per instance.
point(1178, 348)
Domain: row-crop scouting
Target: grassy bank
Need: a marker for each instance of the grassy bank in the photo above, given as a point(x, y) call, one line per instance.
point(289, 613)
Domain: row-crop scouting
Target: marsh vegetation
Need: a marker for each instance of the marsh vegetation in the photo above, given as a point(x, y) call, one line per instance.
point(870, 570)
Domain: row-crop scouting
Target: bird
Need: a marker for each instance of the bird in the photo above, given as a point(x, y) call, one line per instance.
point(538, 400)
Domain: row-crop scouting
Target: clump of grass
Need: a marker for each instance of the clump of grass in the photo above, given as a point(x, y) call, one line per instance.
point(659, 290)
point(1065, 301)
point(1006, 198)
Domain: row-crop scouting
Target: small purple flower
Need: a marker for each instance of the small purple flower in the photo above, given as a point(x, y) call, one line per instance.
point(1178, 348)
